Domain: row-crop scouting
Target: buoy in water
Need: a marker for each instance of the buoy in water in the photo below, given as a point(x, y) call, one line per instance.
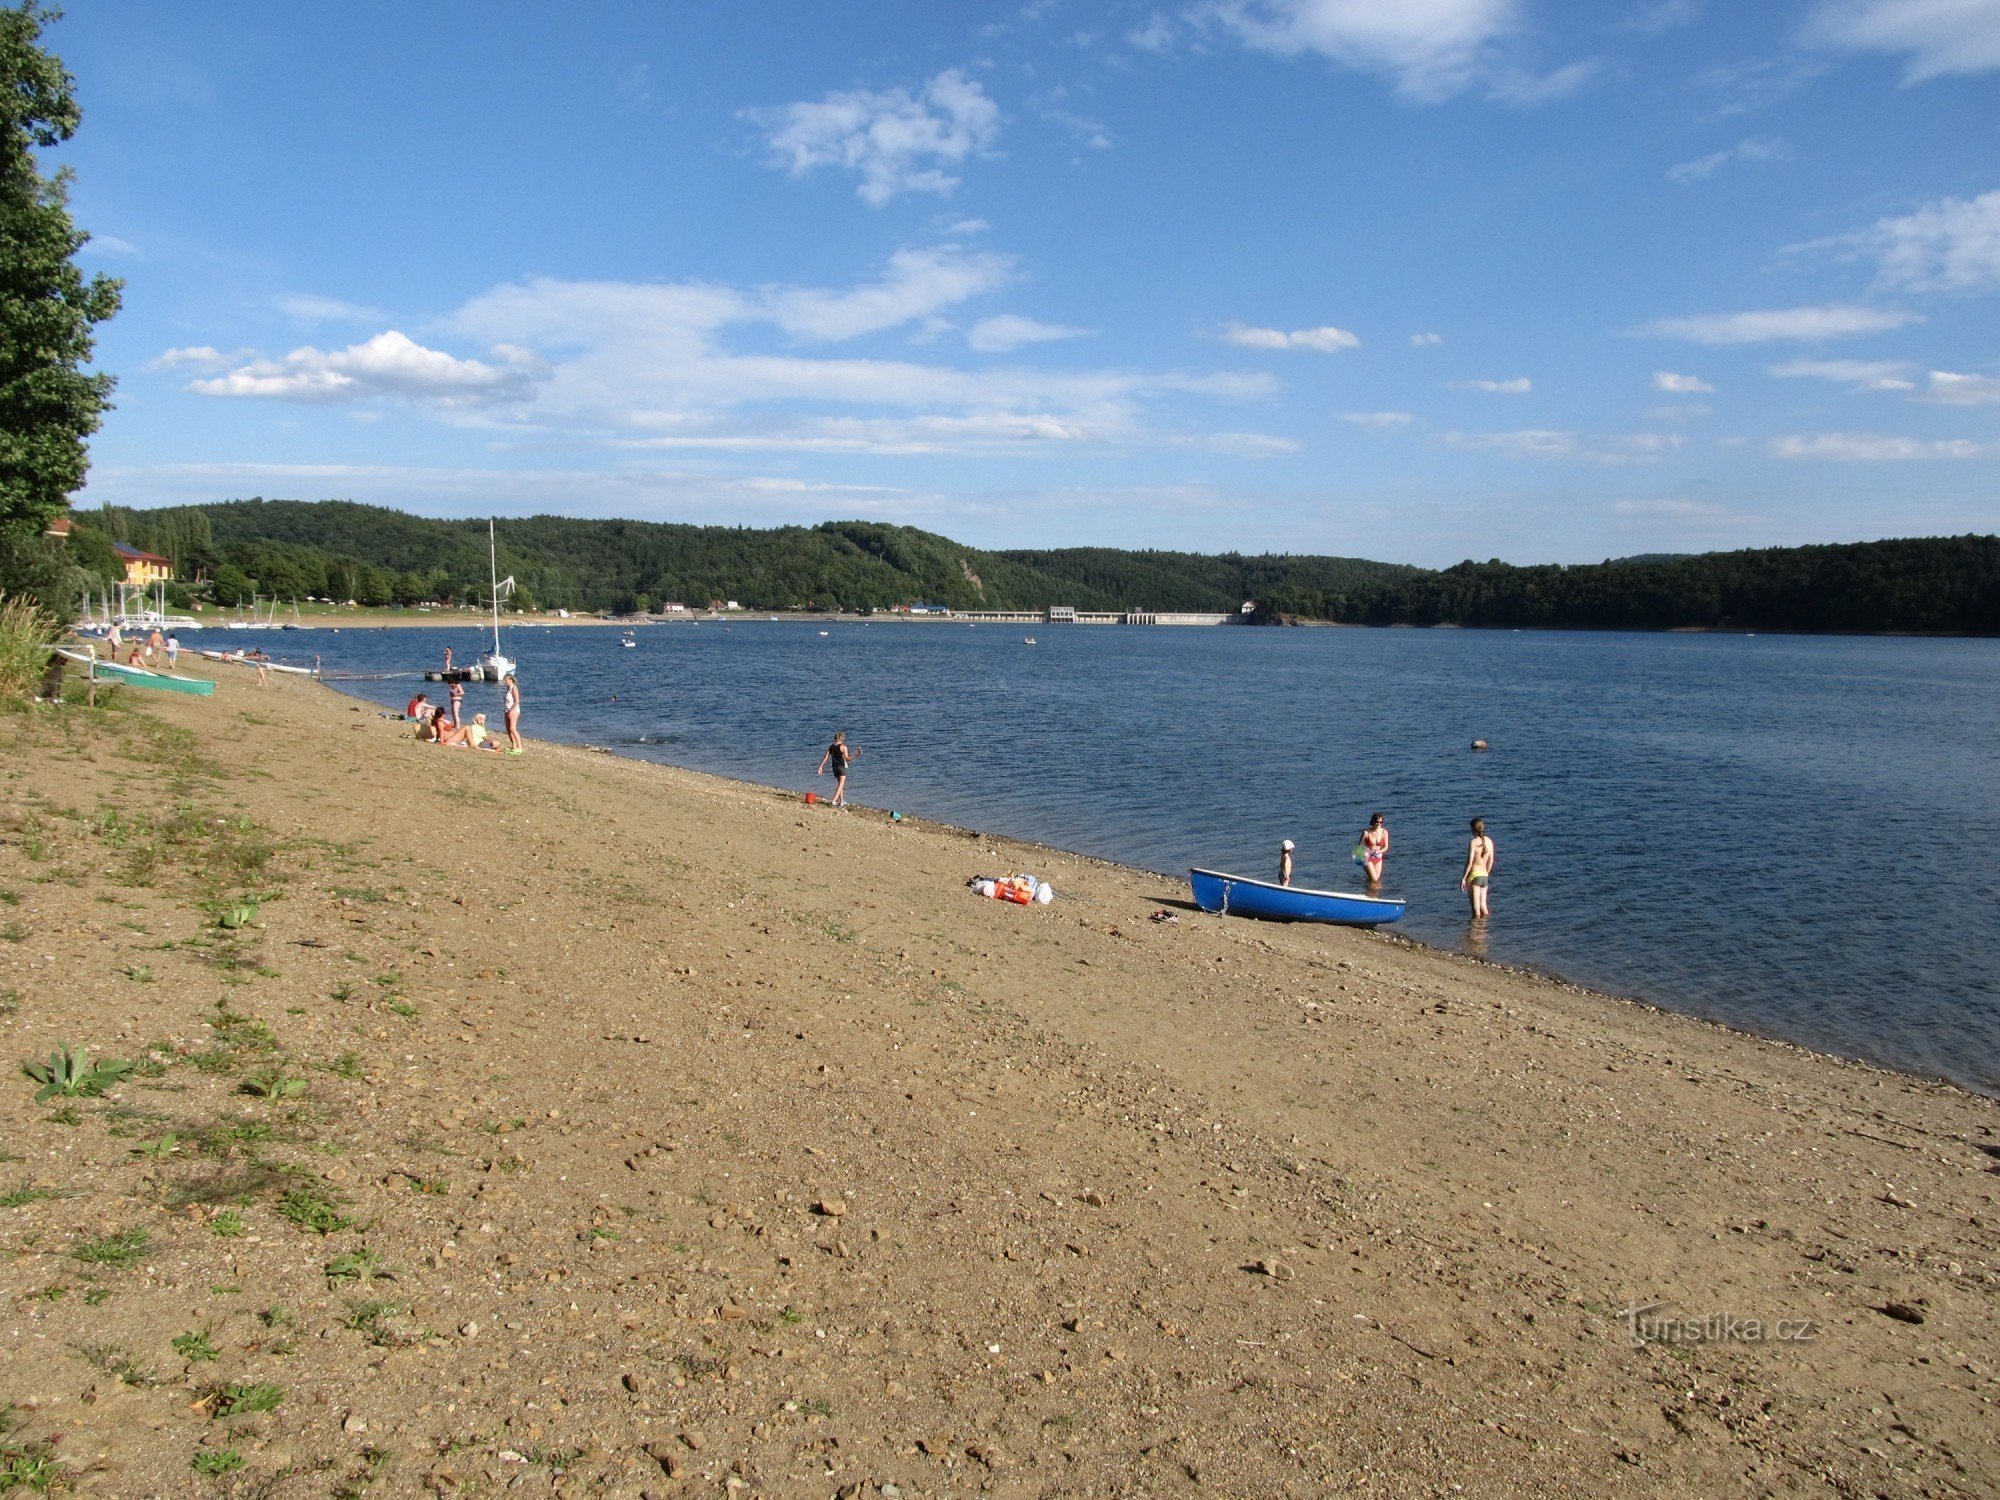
point(1479, 744)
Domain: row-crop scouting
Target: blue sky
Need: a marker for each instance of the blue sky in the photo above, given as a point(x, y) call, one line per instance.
point(1422, 281)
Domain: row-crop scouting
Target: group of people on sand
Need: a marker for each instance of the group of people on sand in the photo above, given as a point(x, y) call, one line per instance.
point(166, 647)
point(1372, 854)
point(445, 723)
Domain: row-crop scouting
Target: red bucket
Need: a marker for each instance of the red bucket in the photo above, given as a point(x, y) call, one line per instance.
point(811, 797)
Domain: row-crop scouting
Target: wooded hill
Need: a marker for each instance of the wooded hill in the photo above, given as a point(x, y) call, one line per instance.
point(296, 549)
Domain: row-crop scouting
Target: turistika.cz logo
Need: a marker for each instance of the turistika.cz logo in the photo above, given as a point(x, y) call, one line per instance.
point(1644, 1324)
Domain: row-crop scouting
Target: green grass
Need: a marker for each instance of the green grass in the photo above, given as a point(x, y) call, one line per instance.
point(114, 1250)
point(31, 1467)
point(243, 1400)
point(357, 1266)
point(26, 1194)
point(217, 1461)
point(309, 1209)
point(111, 1360)
point(196, 1347)
point(272, 1083)
point(228, 1225)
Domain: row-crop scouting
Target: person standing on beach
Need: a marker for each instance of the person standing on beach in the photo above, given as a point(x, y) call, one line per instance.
point(173, 652)
point(1285, 863)
point(154, 642)
point(1478, 868)
point(1374, 849)
point(510, 698)
point(457, 703)
point(838, 754)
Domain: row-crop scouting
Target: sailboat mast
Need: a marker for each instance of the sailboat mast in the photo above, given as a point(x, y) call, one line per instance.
point(493, 575)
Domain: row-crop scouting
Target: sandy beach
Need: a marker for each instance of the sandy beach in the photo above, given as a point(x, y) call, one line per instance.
point(565, 1124)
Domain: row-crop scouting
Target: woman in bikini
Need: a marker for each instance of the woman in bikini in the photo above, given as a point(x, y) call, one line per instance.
point(1374, 848)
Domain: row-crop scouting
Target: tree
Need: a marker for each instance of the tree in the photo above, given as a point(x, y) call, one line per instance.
point(48, 405)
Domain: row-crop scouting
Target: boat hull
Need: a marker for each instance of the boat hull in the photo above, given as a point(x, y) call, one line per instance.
point(1240, 896)
point(106, 671)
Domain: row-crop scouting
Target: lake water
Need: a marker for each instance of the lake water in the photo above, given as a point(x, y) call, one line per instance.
point(1797, 836)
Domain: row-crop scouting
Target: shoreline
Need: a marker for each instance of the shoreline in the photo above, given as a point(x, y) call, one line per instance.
point(691, 1138)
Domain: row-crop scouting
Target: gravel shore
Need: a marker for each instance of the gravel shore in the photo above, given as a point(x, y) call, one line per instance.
point(561, 1123)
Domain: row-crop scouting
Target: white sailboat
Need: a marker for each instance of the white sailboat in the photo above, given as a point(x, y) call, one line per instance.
point(496, 666)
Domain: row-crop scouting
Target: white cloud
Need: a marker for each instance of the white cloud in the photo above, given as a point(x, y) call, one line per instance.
point(199, 357)
point(111, 245)
point(1426, 340)
point(1952, 245)
point(1862, 374)
point(1939, 36)
point(1156, 35)
point(968, 226)
point(1755, 149)
point(1947, 389)
point(1871, 447)
point(997, 335)
point(306, 307)
point(916, 284)
point(1829, 322)
point(1378, 420)
point(1433, 49)
point(1547, 444)
point(895, 141)
point(691, 366)
point(390, 364)
point(1520, 385)
point(1681, 385)
point(681, 367)
point(1320, 340)
point(1243, 444)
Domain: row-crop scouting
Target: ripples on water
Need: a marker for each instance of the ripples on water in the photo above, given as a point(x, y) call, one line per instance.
point(1794, 835)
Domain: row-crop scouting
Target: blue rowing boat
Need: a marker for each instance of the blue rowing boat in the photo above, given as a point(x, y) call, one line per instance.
point(1240, 896)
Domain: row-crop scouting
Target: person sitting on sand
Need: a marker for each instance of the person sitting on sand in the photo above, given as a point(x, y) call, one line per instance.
point(1374, 849)
point(1285, 863)
point(414, 708)
point(427, 729)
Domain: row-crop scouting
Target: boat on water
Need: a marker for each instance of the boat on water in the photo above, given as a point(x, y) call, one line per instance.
point(496, 666)
point(132, 619)
point(242, 658)
point(1240, 896)
point(145, 677)
point(1027, 640)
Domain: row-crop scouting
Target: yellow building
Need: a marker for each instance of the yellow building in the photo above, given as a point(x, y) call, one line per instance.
point(143, 569)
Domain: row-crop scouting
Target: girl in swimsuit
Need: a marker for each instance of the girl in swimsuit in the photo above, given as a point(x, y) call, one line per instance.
point(1374, 848)
point(1478, 868)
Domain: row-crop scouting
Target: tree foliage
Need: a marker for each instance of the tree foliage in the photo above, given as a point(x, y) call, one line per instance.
point(1948, 585)
point(48, 403)
point(292, 548)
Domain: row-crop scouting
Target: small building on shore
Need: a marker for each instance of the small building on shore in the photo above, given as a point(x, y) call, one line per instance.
point(143, 569)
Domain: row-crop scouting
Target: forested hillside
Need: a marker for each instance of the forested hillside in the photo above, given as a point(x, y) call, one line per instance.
point(288, 549)
point(296, 549)
point(1942, 584)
